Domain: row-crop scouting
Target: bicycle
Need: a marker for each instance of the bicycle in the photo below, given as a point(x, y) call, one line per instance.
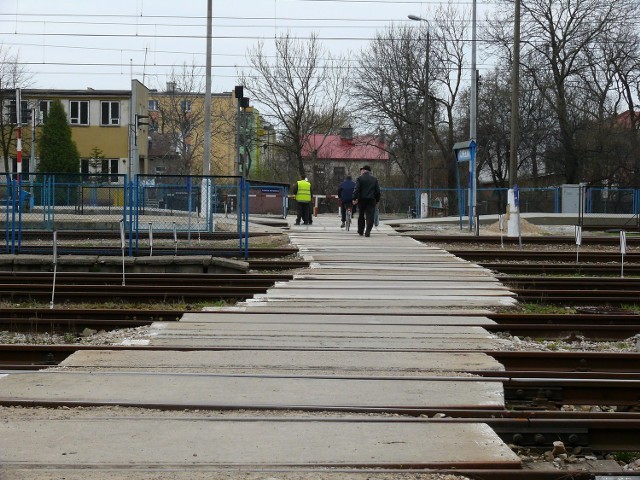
point(347, 221)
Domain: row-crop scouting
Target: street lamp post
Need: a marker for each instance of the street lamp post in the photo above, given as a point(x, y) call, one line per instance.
point(473, 113)
point(426, 178)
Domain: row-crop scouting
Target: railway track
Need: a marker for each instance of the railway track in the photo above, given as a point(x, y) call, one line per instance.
point(532, 418)
point(544, 256)
point(144, 287)
point(189, 287)
point(531, 268)
point(40, 356)
point(75, 235)
point(158, 251)
point(609, 240)
point(607, 327)
point(533, 382)
point(602, 327)
point(574, 290)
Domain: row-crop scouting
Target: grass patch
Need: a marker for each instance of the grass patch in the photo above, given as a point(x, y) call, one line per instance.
point(626, 457)
point(540, 309)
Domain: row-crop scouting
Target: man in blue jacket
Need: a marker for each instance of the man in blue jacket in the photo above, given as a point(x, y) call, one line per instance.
point(345, 194)
point(366, 195)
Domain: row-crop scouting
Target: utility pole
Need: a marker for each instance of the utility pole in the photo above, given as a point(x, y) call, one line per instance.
point(425, 139)
point(426, 167)
point(515, 99)
point(206, 191)
point(206, 161)
point(513, 224)
point(473, 122)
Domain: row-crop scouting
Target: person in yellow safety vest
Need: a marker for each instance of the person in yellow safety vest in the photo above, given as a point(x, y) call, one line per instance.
point(303, 195)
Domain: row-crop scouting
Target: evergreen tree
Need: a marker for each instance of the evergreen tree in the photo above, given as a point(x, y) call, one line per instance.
point(58, 152)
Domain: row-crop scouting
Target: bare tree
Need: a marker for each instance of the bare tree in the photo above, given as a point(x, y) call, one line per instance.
point(559, 41)
point(392, 86)
point(300, 90)
point(493, 121)
point(180, 121)
point(388, 92)
point(619, 139)
point(12, 76)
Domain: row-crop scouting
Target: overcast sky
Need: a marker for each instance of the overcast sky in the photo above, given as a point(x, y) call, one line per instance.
point(103, 44)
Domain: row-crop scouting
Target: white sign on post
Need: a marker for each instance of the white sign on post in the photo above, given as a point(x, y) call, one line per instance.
point(424, 205)
point(578, 240)
point(55, 267)
point(623, 250)
point(122, 245)
point(150, 239)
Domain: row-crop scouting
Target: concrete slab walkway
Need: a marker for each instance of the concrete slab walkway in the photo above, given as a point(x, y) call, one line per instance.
point(377, 324)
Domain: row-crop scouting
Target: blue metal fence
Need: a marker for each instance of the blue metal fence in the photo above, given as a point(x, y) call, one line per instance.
point(191, 205)
point(491, 201)
point(188, 205)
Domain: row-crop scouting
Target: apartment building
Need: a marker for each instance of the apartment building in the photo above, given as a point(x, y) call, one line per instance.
point(176, 126)
point(163, 130)
point(108, 122)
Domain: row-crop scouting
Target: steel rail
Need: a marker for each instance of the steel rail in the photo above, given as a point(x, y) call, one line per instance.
point(588, 297)
point(158, 250)
point(526, 239)
point(512, 360)
point(138, 292)
point(146, 278)
point(615, 431)
point(80, 313)
point(568, 361)
point(45, 235)
point(283, 264)
point(569, 331)
point(611, 318)
point(566, 268)
point(599, 283)
point(365, 471)
point(521, 255)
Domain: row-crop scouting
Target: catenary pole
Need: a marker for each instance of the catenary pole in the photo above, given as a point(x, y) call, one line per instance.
point(515, 99)
point(426, 175)
point(473, 121)
point(206, 161)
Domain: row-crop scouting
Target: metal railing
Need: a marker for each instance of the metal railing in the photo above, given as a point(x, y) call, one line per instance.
point(188, 205)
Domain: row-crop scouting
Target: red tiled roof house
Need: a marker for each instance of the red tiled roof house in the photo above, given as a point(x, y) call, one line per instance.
point(329, 159)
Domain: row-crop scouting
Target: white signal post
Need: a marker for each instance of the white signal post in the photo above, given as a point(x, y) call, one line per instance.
point(19, 133)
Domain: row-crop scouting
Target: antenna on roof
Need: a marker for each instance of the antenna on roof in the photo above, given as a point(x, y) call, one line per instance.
point(144, 65)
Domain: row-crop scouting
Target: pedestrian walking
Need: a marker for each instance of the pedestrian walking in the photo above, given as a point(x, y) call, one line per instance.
point(366, 195)
point(303, 195)
point(345, 194)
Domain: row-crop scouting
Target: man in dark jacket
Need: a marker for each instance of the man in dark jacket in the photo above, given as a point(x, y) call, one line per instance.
point(366, 195)
point(345, 194)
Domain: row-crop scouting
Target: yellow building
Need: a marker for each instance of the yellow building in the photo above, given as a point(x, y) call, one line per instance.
point(101, 121)
point(177, 132)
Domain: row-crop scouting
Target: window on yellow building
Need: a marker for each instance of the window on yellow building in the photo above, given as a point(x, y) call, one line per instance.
point(44, 107)
point(78, 112)
point(110, 113)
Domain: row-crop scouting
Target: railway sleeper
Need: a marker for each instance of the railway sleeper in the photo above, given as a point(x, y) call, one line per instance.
point(543, 436)
point(621, 394)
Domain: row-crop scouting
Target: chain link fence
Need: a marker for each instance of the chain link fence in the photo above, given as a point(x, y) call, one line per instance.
point(186, 206)
point(190, 206)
